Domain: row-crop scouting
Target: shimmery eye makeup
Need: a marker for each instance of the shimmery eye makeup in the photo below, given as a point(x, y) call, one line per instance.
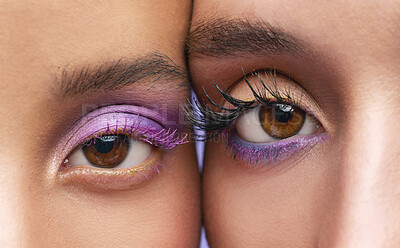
point(266, 125)
point(113, 178)
point(125, 119)
point(137, 134)
point(275, 152)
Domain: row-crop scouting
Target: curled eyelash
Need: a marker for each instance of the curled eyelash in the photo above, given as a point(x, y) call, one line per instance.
point(204, 117)
point(164, 139)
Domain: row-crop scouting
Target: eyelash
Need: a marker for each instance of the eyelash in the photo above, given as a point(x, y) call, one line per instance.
point(213, 122)
point(164, 139)
point(107, 121)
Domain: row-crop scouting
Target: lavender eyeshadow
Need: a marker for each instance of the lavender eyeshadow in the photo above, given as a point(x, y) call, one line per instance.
point(125, 119)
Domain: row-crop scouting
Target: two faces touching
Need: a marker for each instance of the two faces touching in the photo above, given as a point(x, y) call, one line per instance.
point(302, 145)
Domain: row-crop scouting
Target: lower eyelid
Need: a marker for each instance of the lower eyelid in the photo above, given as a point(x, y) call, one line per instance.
point(256, 154)
point(119, 119)
point(117, 179)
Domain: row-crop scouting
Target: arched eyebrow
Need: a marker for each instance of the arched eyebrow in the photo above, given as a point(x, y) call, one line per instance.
point(222, 38)
point(154, 69)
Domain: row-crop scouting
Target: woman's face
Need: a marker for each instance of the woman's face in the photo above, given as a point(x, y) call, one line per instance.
point(90, 97)
point(313, 161)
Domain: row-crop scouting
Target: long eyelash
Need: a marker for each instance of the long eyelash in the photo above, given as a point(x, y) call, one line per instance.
point(165, 138)
point(215, 122)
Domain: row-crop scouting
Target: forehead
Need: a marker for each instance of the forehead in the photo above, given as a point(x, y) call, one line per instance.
point(355, 43)
point(344, 25)
point(286, 11)
point(51, 33)
point(41, 39)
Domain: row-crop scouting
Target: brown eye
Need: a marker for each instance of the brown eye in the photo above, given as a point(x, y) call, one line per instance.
point(107, 151)
point(281, 120)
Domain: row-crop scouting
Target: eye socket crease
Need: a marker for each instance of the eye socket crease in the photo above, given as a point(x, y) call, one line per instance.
point(151, 69)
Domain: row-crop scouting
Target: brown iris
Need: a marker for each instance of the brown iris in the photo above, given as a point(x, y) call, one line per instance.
point(107, 151)
point(281, 120)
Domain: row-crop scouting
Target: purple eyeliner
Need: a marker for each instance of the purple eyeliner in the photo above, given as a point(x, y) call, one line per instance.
point(269, 153)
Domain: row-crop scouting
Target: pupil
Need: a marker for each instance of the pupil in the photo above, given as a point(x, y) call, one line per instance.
point(105, 144)
point(283, 112)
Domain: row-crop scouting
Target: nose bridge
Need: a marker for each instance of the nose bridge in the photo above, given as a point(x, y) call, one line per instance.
point(366, 211)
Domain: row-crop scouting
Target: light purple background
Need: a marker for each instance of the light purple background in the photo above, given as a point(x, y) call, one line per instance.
point(200, 154)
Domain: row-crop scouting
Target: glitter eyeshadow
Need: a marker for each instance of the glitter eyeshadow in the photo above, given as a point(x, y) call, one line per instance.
point(140, 123)
point(271, 153)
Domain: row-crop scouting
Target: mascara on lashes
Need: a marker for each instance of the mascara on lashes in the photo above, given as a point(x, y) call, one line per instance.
point(138, 122)
point(220, 122)
point(124, 119)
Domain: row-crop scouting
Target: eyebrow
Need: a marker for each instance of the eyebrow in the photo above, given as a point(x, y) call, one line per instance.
point(235, 37)
point(152, 69)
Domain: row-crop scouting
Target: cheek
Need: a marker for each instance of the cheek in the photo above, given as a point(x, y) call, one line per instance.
point(164, 212)
point(282, 206)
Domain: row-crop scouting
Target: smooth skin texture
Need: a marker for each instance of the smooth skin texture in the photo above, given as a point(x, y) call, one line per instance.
point(38, 41)
point(342, 193)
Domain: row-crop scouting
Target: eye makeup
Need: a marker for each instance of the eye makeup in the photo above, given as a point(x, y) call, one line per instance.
point(118, 179)
point(144, 125)
point(285, 102)
point(272, 153)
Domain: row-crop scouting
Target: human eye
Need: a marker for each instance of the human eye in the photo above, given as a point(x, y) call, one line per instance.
point(117, 147)
point(266, 117)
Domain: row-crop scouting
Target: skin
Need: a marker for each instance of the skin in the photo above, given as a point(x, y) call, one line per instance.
point(343, 192)
point(38, 41)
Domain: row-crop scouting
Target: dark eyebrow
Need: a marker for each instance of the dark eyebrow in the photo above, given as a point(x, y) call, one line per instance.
point(150, 69)
point(232, 37)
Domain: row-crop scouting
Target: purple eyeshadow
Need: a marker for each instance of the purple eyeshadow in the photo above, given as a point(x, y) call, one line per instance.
point(138, 122)
point(269, 153)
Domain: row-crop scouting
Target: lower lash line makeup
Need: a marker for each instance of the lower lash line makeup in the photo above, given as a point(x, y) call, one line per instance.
point(266, 127)
point(117, 147)
point(269, 153)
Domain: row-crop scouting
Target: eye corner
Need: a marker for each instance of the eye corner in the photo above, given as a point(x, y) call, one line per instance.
point(141, 130)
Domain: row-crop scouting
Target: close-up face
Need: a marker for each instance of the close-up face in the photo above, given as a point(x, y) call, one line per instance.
point(94, 148)
point(302, 122)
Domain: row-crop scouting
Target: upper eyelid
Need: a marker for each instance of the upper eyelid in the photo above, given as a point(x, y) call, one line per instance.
point(286, 96)
point(231, 114)
point(67, 145)
point(158, 136)
point(64, 146)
